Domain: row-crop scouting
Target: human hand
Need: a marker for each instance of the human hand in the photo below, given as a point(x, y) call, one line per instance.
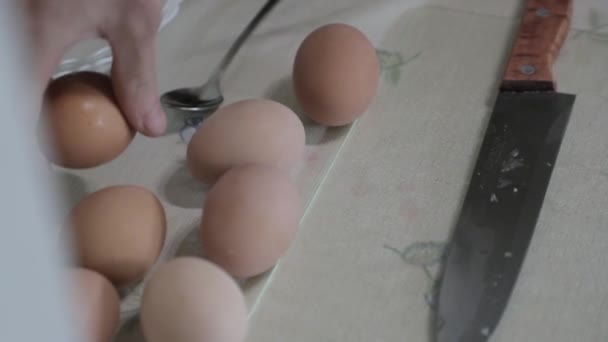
point(129, 26)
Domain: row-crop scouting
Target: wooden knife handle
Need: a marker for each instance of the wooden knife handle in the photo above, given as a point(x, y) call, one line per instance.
point(542, 32)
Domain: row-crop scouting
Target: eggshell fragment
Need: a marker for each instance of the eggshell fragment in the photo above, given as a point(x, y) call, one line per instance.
point(192, 300)
point(97, 305)
point(119, 231)
point(83, 123)
point(250, 218)
point(248, 131)
point(336, 74)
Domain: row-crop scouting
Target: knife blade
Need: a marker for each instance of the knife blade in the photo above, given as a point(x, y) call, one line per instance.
point(509, 182)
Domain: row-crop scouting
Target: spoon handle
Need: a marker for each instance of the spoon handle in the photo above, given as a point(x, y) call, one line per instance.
point(242, 38)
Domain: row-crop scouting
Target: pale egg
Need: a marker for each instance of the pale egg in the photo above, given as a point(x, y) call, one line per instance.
point(247, 131)
point(250, 219)
point(192, 300)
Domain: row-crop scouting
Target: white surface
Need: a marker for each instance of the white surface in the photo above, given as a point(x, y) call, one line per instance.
point(400, 172)
point(399, 182)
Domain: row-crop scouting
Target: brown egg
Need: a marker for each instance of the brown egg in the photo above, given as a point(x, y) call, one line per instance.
point(248, 131)
point(83, 123)
point(192, 300)
point(250, 218)
point(336, 74)
point(119, 231)
point(97, 305)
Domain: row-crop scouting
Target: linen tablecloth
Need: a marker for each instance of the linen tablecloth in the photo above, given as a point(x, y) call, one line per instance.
point(382, 195)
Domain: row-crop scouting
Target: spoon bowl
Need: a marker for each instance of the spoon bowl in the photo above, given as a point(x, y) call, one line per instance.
point(189, 100)
point(208, 97)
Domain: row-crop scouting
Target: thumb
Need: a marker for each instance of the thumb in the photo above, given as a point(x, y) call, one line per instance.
point(135, 84)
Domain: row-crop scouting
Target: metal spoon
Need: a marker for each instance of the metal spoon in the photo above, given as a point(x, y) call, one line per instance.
point(208, 97)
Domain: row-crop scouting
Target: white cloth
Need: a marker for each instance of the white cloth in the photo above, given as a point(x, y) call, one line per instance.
point(33, 290)
point(101, 59)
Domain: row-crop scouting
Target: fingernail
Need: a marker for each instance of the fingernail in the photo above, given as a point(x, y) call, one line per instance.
point(155, 124)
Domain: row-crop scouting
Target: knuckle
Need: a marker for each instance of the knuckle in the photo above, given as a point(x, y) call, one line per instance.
point(149, 10)
point(141, 18)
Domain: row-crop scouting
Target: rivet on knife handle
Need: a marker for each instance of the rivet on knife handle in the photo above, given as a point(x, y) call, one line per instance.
point(542, 32)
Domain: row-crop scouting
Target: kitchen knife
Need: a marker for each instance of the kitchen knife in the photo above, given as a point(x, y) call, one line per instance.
point(509, 181)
